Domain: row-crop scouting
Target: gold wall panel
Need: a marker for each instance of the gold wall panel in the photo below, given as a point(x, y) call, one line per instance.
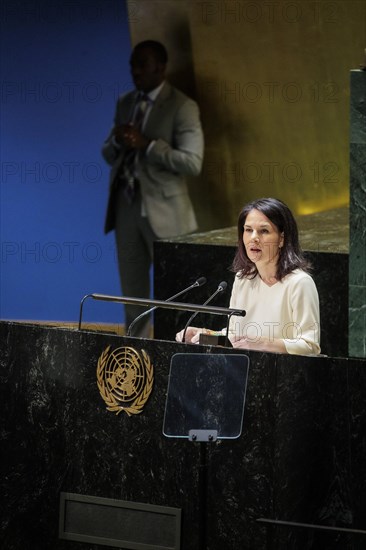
point(272, 82)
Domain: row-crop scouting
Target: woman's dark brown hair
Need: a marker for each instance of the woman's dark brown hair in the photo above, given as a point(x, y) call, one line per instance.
point(291, 256)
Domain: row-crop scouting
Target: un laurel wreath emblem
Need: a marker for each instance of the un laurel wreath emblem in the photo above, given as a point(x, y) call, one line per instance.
point(125, 379)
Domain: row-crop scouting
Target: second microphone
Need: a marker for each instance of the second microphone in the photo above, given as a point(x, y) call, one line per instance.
point(221, 288)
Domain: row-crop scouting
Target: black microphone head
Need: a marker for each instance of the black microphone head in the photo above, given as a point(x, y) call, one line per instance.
point(239, 312)
point(201, 281)
point(222, 286)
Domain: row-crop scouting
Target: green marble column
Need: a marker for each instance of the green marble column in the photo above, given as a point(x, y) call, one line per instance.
point(357, 255)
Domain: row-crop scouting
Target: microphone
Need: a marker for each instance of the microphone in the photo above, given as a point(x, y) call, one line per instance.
point(200, 282)
point(221, 288)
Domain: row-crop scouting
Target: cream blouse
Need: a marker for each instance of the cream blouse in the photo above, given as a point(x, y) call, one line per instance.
point(288, 310)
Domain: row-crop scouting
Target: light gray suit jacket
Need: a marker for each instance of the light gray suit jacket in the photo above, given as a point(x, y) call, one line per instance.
point(177, 152)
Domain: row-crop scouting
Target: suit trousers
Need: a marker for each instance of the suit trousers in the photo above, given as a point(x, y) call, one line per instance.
point(134, 240)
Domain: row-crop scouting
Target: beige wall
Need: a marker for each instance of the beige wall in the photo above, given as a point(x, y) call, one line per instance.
point(272, 82)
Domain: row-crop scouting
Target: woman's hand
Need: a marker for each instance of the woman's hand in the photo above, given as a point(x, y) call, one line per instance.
point(243, 343)
point(275, 345)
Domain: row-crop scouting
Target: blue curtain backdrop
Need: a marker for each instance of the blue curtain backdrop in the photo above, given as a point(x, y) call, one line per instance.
point(63, 66)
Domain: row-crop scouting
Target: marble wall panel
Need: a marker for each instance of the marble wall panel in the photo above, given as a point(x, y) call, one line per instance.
point(357, 265)
point(272, 83)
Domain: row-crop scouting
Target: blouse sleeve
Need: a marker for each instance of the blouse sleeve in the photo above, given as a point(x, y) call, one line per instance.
point(306, 318)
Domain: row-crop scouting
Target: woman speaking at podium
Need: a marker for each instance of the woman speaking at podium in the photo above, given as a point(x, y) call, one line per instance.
point(272, 283)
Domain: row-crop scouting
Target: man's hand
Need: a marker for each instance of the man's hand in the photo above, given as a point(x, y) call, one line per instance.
point(130, 137)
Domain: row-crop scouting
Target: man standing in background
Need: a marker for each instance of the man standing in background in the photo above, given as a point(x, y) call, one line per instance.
point(156, 142)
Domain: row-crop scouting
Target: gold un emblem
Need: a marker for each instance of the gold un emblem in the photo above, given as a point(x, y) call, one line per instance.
point(125, 378)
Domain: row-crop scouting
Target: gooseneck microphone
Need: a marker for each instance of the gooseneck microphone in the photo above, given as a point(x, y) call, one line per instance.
point(221, 288)
point(200, 282)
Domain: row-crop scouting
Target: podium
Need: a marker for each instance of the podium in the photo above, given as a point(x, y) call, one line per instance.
point(299, 459)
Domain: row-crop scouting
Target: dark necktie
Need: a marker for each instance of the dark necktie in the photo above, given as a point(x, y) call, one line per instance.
point(129, 160)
